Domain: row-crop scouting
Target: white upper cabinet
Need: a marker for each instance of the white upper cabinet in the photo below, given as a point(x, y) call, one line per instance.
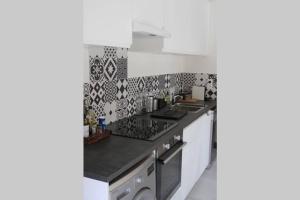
point(187, 21)
point(149, 12)
point(107, 22)
point(181, 25)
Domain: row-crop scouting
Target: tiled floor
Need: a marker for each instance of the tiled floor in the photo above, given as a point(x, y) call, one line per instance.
point(206, 187)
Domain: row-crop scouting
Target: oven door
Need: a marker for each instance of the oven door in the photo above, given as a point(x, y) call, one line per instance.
point(168, 177)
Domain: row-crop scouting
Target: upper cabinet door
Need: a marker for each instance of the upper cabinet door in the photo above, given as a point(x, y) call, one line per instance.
point(187, 21)
point(149, 12)
point(107, 22)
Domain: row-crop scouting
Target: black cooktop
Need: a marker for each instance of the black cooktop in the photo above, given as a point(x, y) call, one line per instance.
point(141, 128)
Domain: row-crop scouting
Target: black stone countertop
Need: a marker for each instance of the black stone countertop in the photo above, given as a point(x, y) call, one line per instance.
point(108, 159)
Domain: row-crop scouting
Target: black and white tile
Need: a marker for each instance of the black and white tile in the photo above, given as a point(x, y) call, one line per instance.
point(161, 82)
point(96, 68)
point(131, 108)
point(132, 87)
point(211, 87)
point(97, 92)
point(99, 110)
point(122, 104)
point(110, 52)
point(110, 111)
point(167, 81)
point(155, 84)
point(111, 90)
point(172, 80)
point(122, 68)
point(110, 69)
point(188, 81)
point(122, 91)
point(121, 53)
point(201, 79)
point(112, 94)
point(121, 113)
point(179, 80)
point(141, 84)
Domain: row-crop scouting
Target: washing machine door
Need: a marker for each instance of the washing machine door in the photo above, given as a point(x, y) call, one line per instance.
point(144, 194)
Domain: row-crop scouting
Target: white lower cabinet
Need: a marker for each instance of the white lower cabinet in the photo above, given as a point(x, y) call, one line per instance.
point(195, 155)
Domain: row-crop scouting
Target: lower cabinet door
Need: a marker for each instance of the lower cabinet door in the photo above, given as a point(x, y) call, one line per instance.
point(195, 155)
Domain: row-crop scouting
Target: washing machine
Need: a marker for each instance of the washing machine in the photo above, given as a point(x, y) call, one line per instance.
point(137, 184)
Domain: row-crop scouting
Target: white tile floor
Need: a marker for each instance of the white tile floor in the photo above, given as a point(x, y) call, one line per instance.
point(206, 187)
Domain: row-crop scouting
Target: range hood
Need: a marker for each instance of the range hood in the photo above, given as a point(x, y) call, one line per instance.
point(144, 29)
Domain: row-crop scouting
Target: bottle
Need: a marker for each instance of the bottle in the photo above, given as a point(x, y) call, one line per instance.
point(91, 117)
point(167, 98)
point(102, 122)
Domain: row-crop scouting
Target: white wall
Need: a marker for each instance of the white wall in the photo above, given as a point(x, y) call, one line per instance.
point(147, 64)
point(86, 71)
point(206, 64)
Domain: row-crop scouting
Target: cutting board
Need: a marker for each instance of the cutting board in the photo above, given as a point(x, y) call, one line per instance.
point(198, 92)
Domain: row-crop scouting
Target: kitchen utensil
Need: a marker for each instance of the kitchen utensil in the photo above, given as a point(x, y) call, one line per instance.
point(149, 104)
point(161, 103)
point(155, 104)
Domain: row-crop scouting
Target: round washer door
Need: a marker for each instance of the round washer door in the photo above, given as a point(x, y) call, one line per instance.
point(144, 194)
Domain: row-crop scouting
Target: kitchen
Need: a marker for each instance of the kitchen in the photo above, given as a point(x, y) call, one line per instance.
point(150, 90)
point(101, 99)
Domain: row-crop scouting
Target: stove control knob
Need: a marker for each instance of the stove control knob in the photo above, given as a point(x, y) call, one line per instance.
point(166, 146)
point(177, 137)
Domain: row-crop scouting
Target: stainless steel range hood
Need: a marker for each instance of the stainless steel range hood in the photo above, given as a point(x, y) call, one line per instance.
point(144, 29)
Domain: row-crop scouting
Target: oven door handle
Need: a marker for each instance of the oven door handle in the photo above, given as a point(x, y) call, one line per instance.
point(166, 157)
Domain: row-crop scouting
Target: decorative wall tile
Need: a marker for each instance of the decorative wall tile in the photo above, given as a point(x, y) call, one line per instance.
point(122, 104)
point(155, 84)
point(96, 69)
point(161, 82)
point(122, 113)
point(211, 93)
point(121, 53)
point(110, 69)
point(110, 112)
point(110, 52)
point(213, 79)
point(131, 105)
point(172, 80)
point(141, 84)
point(188, 81)
point(110, 91)
point(122, 90)
point(167, 81)
point(97, 92)
point(211, 87)
point(122, 68)
point(112, 94)
point(178, 80)
point(132, 86)
point(201, 79)
point(148, 83)
point(99, 110)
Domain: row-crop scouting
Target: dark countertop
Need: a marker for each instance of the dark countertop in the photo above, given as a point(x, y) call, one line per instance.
point(108, 159)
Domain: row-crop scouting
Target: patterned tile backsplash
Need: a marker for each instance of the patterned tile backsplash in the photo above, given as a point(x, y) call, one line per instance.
point(113, 95)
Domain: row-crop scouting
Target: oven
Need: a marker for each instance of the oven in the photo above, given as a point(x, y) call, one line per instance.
point(168, 167)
